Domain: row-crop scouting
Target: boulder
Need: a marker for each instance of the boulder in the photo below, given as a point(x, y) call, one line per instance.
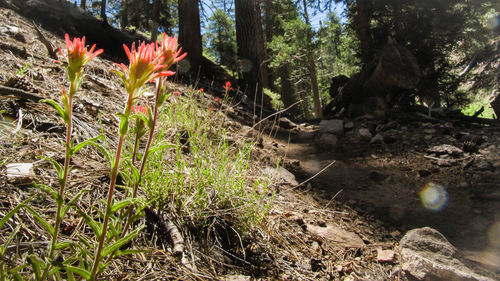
point(333, 126)
point(427, 255)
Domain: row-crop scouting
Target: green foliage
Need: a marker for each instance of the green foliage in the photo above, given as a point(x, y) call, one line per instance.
point(23, 69)
point(203, 178)
point(221, 37)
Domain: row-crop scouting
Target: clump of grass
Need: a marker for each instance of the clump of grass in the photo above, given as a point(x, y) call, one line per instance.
point(202, 178)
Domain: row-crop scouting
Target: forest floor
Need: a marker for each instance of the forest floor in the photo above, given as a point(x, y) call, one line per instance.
point(356, 198)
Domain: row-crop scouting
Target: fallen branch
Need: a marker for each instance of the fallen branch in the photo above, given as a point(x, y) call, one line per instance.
point(173, 231)
point(50, 48)
point(8, 91)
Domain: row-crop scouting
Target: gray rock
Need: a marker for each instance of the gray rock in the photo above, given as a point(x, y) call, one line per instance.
point(338, 235)
point(378, 138)
point(446, 149)
point(328, 140)
point(427, 255)
point(349, 125)
point(365, 134)
point(283, 174)
point(334, 126)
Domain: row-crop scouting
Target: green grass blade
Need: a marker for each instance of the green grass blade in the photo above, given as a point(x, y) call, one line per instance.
point(41, 220)
point(115, 246)
point(13, 211)
point(82, 272)
point(9, 240)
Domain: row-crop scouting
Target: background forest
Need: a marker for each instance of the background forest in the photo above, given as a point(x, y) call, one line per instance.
point(300, 45)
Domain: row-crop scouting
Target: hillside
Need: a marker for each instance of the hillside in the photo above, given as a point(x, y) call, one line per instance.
point(346, 193)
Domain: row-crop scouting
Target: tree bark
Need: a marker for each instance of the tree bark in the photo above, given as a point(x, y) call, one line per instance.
point(189, 33)
point(124, 14)
point(155, 18)
point(248, 51)
point(83, 4)
point(103, 11)
point(311, 66)
point(287, 90)
point(264, 73)
point(362, 26)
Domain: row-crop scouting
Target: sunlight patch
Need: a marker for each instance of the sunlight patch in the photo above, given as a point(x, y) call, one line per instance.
point(434, 197)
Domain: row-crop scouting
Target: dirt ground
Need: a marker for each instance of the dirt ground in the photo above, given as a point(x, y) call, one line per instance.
point(369, 194)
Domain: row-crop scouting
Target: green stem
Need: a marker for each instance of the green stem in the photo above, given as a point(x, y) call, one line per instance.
point(67, 158)
point(112, 184)
point(145, 155)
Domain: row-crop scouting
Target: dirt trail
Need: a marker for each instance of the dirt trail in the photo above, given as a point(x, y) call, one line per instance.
point(388, 180)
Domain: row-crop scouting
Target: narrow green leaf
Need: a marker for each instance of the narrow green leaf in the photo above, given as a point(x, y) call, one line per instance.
point(96, 227)
point(36, 265)
point(41, 220)
point(13, 211)
point(115, 246)
point(160, 147)
point(117, 206)
point(92, 141)
point(65, 244)
point(82, 272)
point(72, 202)
point(61, 111)
point(55, 164)
point(9, 240)
point(123, 124)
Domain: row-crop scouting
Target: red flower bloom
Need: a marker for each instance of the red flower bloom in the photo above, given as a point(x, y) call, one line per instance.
point(170, 51)
point(211, 109)
point(140, 109)
point(227, 86)
point(202, 90)
point(144, 66)
point(177, 93)
point(78, 55)
point(217, 99)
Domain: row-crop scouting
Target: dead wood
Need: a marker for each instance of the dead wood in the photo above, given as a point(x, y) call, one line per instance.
point(171, 229)
point(8, 91)
point(50, 48)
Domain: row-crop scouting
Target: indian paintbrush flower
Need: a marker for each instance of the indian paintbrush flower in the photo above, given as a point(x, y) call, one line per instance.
point(227, 86)
point(170, 51)
point(78, 55)
point(145, 65)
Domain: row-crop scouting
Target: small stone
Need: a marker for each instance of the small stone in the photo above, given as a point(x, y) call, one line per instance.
point(365, 134)
point(428, 137)
point(286, 123)
point(378, 138)
point(385, 255)
point(328, 140)
point(349, 125)
point(334, 126)
point(20, 173)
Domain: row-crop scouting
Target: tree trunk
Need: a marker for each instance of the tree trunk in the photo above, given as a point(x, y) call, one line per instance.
point(83, 4)
point(155, 18)
point(362, 26)
point(124, 14)
point(287, 91)
point(311, 66)
point(264, 73)
point(190, 34)
point(248, 51)
point(103, 11)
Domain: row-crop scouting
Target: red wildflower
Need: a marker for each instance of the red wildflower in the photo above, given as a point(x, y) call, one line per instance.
point(144, 66)
point(78, 55)
point(140, 109)
point(202, 90)
point(170, 51)
point(211, 109)
point(217, 99)
point(177, 93)
point(227, 86)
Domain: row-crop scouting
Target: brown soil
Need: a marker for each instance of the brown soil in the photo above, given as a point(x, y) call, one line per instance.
point(371, 191)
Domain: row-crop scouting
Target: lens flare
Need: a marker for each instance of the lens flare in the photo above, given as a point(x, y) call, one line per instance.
point(434, 196)
point(245, 65)
point(494, 234)
point(492, 21)
point(183, 66)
